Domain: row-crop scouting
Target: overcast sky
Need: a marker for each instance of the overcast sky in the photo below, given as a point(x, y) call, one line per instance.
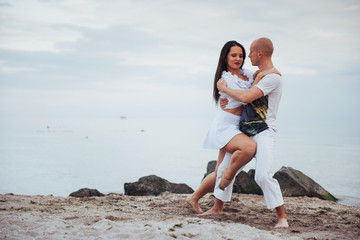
point(141, 58)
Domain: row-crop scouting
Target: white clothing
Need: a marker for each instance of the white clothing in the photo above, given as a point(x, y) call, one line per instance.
point(234, 82)
point(263, 174)
point(225, 195)
point(226, 125)
point(271, 85)
point(223, 128)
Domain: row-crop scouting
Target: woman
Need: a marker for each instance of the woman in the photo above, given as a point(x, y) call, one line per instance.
point(224, 133)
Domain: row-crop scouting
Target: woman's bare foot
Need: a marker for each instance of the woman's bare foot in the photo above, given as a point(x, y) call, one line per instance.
point(282, 223)
point(194, 204)
point(212, 211)
point(225, 181)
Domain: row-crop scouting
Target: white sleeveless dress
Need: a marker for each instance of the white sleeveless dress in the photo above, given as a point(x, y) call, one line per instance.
point(226, 125)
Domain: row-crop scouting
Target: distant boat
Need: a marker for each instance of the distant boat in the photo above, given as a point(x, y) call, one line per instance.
point(123, 117)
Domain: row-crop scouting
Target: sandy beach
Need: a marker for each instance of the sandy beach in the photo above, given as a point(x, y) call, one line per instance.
point(117, 216)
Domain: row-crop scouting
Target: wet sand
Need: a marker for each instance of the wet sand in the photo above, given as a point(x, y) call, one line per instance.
point(117, 216)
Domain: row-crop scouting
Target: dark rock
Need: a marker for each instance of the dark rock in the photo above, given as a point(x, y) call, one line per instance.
point(86, 192)
point(294, 183)
point(245, 183)
point(251, 173)
point(154, 185)
point(210, 168)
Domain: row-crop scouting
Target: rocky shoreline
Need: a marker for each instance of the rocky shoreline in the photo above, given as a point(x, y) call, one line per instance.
point(154, 208)
point(167, 216)
point(293, 183)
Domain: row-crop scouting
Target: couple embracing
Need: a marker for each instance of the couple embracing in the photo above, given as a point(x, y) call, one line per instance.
point(244, 127)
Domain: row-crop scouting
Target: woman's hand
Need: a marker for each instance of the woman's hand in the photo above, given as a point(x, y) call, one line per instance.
point(256, 73)
point(259, 75)
point(221, 85)
point(223, 102)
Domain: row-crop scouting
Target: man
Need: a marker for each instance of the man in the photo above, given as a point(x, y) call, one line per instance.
point(258, 121)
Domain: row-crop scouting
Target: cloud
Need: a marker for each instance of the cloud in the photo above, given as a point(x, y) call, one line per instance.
point(31, 34)
point(164, 53)
point(5, 69)
point(5, 4)
point(353, 8)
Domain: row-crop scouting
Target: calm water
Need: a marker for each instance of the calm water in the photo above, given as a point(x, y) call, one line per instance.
point(60, 156)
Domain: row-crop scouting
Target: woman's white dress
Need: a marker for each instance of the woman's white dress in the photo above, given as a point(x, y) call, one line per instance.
point(224, 127)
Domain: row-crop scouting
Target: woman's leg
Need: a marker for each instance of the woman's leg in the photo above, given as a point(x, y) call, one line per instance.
point(243, 150)
point(206, 186)
point(216, 209)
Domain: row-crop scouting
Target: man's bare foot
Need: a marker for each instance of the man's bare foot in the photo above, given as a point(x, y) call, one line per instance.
point(224, 180)
point(194, 204)
point(282, 223)
point(212, 211)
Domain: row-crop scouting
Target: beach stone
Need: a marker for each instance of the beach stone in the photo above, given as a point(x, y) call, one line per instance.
point(86, 192)
point(245, 183)
point(210, 168)
point(154, 185)
point(294, 183)
point(251, 173)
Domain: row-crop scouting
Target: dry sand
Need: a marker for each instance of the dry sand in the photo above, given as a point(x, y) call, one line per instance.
point(117, 216)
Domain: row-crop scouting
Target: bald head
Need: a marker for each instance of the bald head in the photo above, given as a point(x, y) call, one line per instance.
point(265, 45)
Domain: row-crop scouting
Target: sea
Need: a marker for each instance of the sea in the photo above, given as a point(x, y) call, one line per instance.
point(40, 156)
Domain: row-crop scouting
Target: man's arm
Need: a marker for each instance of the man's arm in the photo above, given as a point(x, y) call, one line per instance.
point(245, 96)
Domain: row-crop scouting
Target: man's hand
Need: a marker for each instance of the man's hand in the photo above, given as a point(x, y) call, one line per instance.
point(256, 73)
point(223, 102)
point(221, 85)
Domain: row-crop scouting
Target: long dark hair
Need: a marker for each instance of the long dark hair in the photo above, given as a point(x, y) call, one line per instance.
point(222, 65)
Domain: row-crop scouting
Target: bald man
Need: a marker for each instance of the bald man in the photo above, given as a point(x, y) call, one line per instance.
point(258, 122)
